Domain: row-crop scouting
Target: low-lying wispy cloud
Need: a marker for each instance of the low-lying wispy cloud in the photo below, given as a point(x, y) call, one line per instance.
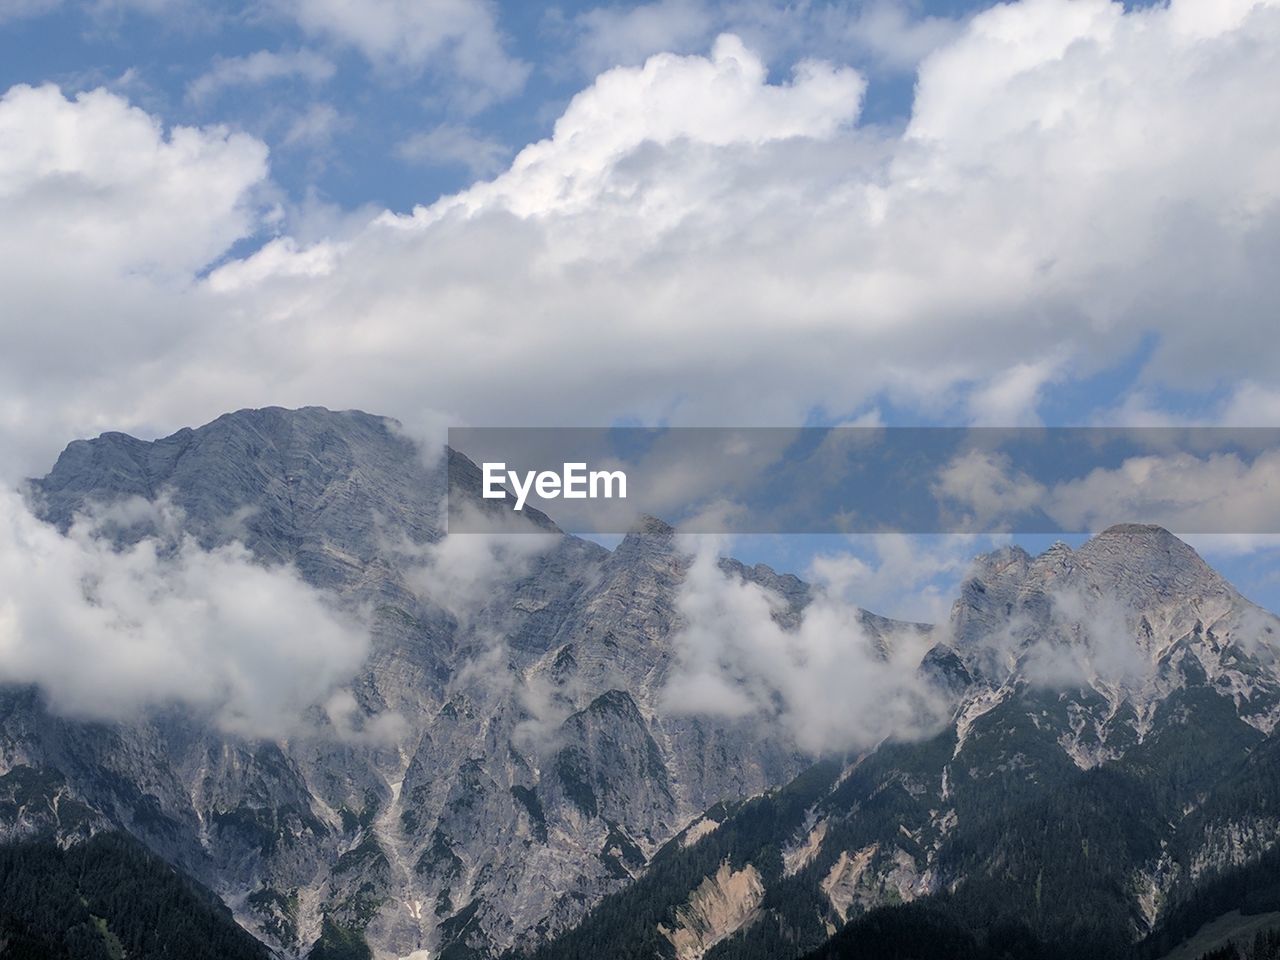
point(107, 631)
point(825, 680)
point(463, 575)
point(459, 574)
point(898, 575)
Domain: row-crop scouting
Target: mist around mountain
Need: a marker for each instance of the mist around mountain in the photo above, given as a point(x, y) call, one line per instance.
point(250, 649)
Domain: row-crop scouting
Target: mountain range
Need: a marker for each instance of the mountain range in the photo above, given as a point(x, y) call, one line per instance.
point(1097, 776)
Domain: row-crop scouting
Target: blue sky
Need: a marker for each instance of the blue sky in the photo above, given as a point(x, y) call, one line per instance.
point(1042, 212)
point(338, 120)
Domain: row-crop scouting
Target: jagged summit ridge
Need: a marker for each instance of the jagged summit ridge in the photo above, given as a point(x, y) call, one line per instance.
point(503, 809)
point(1144, 569)
point(1128, 622)
point(296, 483)
point(651, 526)
point(522, 792)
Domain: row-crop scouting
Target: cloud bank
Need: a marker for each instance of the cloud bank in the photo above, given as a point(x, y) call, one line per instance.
point(108, 631)
point(694, 243)
point(1179, 491)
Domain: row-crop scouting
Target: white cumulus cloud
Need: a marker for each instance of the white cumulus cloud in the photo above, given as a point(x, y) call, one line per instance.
point(694, 243)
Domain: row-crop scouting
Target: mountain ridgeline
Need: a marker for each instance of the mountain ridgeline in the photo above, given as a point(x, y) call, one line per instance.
point(1108, 780)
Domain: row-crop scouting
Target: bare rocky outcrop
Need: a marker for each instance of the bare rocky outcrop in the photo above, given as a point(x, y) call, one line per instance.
point(723, 904)
point(843, 881)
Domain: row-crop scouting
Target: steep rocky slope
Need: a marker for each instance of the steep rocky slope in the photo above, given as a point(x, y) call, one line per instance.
point(1111, 750)
point(534, 769)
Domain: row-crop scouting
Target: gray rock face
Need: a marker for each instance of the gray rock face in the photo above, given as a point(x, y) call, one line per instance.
point(1129, 655)
point(308, 486)
point(1112, 744)
point(536, 769)
point(1132, 616)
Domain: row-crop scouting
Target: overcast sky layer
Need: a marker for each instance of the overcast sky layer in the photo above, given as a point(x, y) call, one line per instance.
point(684, 212)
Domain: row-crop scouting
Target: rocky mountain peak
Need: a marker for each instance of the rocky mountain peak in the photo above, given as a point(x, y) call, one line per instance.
point(650, 541)
point(532, 770)
point(1137, 566)
point(1117, 607)
point(648, 526)
point(290, 483)
point(1143, 565)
